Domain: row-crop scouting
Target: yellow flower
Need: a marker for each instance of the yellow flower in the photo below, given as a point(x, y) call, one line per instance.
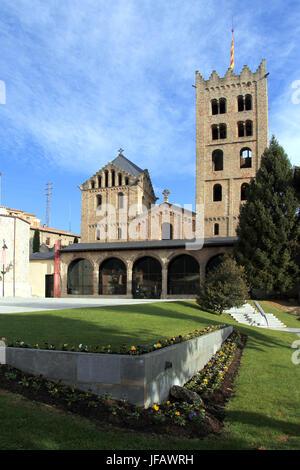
point(155, 407)
point(133, 348)
point(177, 413)
point(168, 402)
point(36, 345)
point(158, 345)
point(205, 381)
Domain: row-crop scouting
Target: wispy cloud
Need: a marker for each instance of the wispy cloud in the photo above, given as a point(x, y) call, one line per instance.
point(84, 79)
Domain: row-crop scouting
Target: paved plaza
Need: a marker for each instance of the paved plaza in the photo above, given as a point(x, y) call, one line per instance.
point(37, 304)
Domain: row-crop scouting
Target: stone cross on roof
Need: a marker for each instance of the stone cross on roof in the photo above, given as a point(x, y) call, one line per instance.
point(166, 193)
point(121, 151)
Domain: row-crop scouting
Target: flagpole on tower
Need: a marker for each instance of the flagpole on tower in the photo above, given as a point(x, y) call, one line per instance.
point(232, 49)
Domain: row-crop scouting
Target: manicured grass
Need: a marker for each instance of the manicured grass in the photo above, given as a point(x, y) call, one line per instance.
point(130, 324)
point(262, 413)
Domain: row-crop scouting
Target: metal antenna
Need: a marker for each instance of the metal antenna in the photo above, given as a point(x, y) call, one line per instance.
point(48, 194)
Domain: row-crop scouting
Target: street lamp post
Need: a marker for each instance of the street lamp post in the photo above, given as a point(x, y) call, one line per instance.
point(4, 247)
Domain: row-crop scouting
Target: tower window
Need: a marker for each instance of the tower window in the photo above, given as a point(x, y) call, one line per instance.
point(119, 233)
point(119, 179)
point(99, 181)
point(219, 131)
point(126, 181)
point(113, 177)
point(214, 107)
point(217, 160)
point(223, 131)
point(92, 184)
point(216, 229)
point(241, 129)
point(222, 104)
point(218, 106)
point(249, 128)
point(215, 132)
point(245, 128)
point(240, 100)
point(246, 157)
point(244, 102)
point(248, 102)
point(244, 191)
point(217, 193)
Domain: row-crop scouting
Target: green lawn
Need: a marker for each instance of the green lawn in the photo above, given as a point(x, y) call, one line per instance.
point(262, 413)
point(130, 324)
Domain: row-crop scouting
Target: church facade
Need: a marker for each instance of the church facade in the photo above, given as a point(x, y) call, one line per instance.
point(131, 246)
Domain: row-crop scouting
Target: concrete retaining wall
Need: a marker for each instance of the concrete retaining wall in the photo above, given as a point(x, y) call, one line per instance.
point(143, 380)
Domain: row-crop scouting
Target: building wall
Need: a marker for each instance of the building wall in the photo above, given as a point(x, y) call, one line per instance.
point(15, 232)
point(226, 211)
point(37, 275)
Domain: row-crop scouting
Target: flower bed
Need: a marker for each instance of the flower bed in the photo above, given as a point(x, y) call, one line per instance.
point(124, 348)
point(171, 417)
point(211, 376)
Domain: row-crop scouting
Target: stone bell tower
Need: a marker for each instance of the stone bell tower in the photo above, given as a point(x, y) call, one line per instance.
point(231, 136)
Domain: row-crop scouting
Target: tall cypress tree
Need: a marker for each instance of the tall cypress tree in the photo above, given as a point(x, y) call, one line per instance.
point(36, 241)
point(268, 228)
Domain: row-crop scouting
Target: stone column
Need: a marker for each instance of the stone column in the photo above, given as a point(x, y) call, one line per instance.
point(129, 279)
point(164, 281)
point(95, 279)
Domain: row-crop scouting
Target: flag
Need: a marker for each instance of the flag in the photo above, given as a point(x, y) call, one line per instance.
point(232, 53)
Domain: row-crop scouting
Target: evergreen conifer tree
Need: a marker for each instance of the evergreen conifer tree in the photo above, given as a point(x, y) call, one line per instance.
point(36, 241)
point(268, 229)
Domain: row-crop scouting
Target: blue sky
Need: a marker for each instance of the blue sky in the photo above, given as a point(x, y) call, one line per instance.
point(86, 78)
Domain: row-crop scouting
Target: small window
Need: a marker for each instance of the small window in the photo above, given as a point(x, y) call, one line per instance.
point(244, 191)
point(222, 105)
point(214, 107)
point(240, 100)
point(92, 184)
point(223, 131)
point(119, 179)
point(217, 160)
point(119, 233)
point(248, 102)
point(215, 132)
point(99, 181)
point(217, 193)
point(99, 201)
point(249, 128)
point(218, 106)
point(241, 129)
point(106, 178)
point(48, 241)
point(216, 229)
point(121, 200)
point(246, 158)
point(98, 234)
point(113, 177)
point(126, 181)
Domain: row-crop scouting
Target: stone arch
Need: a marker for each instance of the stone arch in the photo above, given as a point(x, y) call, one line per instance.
point(112, 276)
point(183, 275)
point(80, 277)
point(147, 277)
